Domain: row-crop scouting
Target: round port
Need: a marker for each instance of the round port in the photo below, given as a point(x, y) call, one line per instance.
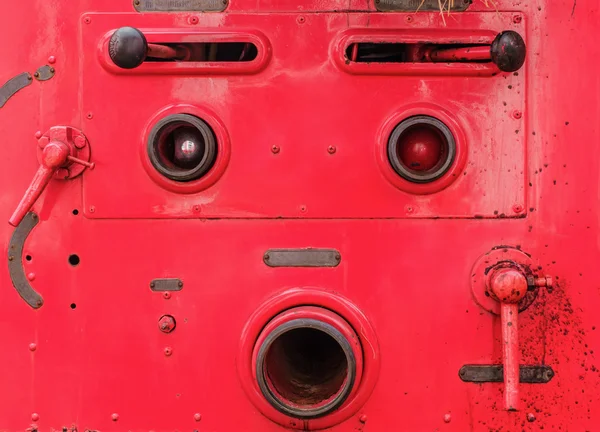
point(182, 147)
point(421, 149)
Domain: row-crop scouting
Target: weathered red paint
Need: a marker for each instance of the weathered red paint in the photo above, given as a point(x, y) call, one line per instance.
point(92, 357)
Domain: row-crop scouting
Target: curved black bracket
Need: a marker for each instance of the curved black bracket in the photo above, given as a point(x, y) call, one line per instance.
point(15, 261)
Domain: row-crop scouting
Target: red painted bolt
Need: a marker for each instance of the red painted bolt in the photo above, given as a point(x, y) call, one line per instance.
point(168, 351)
point(517, 114)
point(275, 149)
point(447, 418)
point(540, 282)
point(197, 417)
point(331, 149)
point(31, 276)
point(301, 20)
point(38, 134)
point(35, 417)
point(166, 295)
point(32, 347)
point(530, 417)
point(193, 20)
point(79, 142)
point(517, 19)
point(51, 59)
point(517, 208)
point(114, 416)
point(363, 418)
point(166, 324)
point(87, 20)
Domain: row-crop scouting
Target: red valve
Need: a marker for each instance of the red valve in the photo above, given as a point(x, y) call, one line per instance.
point(509, 286)
point(58, 149)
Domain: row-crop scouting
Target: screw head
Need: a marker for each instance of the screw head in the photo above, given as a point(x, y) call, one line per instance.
point(168, 351)
point(275, 149)
point(408, 18)
point(92, 209)
point(301, 19)
point(517, 114)
point(51, 59)
point(409, 209)
point(166, 295)
point(331, 149)
point(32, 346)
point(193, 20)
point(87, 20)
point(517, 19)
point(90, 115)
point(517, 208)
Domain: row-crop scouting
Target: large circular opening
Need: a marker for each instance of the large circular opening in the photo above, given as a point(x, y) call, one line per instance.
point(306, 368)
point(421, 149)
point(182, 147)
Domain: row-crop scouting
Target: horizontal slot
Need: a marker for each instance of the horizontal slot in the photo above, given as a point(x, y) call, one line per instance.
point(395, 52)
point(202, 52)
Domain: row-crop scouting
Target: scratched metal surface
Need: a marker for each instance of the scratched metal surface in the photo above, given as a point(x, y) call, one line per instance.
point(99, 360)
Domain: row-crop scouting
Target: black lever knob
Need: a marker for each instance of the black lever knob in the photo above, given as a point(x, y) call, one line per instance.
point(128, 47)
point(508, 51)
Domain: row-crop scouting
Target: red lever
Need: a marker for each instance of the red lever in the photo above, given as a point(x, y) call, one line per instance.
point(509, 286)
point(56, 154)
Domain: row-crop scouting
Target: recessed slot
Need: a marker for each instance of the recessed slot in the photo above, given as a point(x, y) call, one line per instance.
point(201, 52)
point(395, 52)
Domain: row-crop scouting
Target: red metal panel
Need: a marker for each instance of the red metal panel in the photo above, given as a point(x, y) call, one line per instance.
point(93, 357)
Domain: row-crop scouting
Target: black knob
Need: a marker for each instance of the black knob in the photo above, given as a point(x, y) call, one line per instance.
point(128, 47)
point(508, 51)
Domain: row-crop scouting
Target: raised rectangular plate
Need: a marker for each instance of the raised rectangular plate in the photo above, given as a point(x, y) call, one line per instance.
point(539, 374)
point(415, 5)
point(180, 5)
point(166, 284)
point(308, 257)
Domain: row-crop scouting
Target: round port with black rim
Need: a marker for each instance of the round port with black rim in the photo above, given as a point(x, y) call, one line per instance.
point(182, 147)
point(421, 149)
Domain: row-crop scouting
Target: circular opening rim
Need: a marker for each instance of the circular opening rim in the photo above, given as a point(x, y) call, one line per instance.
point(166, 126)
point(337, 399)
point(400, 167)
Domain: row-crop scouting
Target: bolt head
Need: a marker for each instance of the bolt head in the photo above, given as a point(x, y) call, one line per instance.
point(530, 417)
point(35, 417)
point(114, 417)
point(447, 418)
point(168, 351)
point(166, 324)
point(197, 417)
point(275, 149)
point(32, 347)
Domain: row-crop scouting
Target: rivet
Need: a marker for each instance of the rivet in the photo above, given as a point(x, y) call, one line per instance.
point(331, 149)
point(90, 115)
point(517, 114)
point(193, 20)
point(531, 417)
point(196, 208)
point(267, 256)
point(447, 418)
point(114, 416)
point(517, 19)
point(166, 295)
point(35, 417)
point(51, 59)
point(38, 134)
point(31, 276)
point(197, 417)
point(275, 149)
point(180, 284)
point(36, 74)
point(517, 208)
point(168, 351)
point(338, 257)
point(363, 418)
point(303, 208)
point(301, 19)
point(87, 20)
point(408, 18)
point(151, 284)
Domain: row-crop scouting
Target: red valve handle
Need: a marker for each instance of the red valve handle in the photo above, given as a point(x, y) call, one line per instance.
point(55, 155)
point(509, 286)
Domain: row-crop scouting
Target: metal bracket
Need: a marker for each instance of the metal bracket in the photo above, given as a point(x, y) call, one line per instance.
point(13, 85)
point(15, 261)
point(540, 374)
point(44, 73)
point(302, 257)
